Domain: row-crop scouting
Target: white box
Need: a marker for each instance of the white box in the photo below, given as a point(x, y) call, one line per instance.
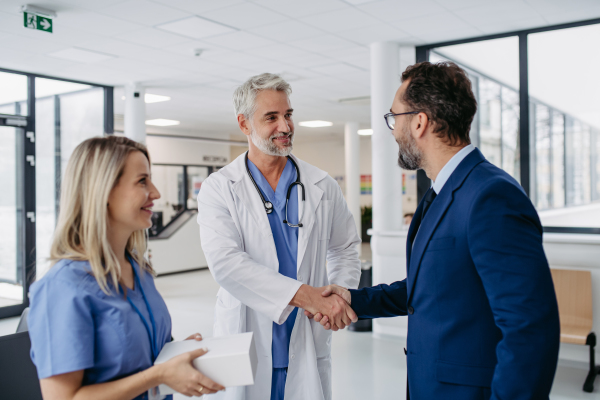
point(230, 361)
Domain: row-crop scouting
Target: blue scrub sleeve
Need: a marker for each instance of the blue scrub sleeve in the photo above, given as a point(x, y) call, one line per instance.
point(61, 328)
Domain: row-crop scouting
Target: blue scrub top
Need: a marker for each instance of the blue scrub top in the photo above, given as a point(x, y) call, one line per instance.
point(74, 325)
point(286, 244)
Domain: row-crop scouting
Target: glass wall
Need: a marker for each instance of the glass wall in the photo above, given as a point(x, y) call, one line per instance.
point(11, 282)
point(563, 118)
point(66, 114)
point(493, 67)
point(565, 114)
point(35, 146)
point(179, 186)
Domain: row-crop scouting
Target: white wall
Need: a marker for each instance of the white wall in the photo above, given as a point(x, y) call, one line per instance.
point(186, 151)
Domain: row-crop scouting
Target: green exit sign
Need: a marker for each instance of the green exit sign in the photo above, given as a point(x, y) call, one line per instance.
point(33, 21)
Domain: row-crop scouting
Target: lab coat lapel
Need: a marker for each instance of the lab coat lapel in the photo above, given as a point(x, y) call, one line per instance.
point(437, 210)
point(309, 177)
point(246, 192)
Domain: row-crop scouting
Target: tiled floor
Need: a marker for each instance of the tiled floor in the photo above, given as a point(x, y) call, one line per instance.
point(364, 367)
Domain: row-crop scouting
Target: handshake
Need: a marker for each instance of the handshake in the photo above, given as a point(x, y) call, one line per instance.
point(328, 305)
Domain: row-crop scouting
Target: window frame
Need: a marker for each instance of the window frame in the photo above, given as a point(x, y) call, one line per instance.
point(422, 54)
point(26, 179)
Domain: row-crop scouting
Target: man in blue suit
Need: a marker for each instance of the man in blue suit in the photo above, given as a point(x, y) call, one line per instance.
point(482, 312)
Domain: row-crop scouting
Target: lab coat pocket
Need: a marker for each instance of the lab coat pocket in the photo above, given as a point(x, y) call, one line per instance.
point(228, 311)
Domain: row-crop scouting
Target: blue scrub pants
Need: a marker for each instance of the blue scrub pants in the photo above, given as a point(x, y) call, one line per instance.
point(278, 383)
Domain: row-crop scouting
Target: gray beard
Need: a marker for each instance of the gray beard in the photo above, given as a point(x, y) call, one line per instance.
point(268, 147)
point(409, 155)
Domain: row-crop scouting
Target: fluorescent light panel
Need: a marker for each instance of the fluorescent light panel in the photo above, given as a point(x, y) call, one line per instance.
point(151, 98)
point(315, 124)
point(162, 122)
point(365, 132)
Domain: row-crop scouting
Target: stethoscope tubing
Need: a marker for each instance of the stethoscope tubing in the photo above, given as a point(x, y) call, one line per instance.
point(269, 206)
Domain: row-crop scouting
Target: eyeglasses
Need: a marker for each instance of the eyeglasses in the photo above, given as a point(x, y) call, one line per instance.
point(390, 118)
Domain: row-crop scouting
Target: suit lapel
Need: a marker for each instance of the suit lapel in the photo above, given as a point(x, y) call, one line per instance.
point(434, 215)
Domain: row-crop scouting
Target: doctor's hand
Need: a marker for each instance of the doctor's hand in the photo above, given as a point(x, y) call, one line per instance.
point(328, 291)
point(338, 312)
point(179, 374)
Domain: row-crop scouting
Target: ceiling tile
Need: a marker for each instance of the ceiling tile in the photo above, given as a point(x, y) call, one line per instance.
point(458, 4)
point(239, 41)
point(323, 44)
point(187, 48)
point(299, 9)
point(513, 25)
point(196, 27)
point(95, 23)
point(144, 12)
point(31, 45)
point(81, 55)
point(287, 31)
point(114, 46)
point(152, 37)
point(498, 12)
point(381, 32)
point(341, 20)
point(199, 7)
point(442, 22)
point(398, 10)
point(553, 7)
point(337, 69)
point(573, 15)
point(244, 16)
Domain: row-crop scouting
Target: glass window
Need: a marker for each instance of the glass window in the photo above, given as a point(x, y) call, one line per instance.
point(11, 276)
point(169, 182)
point(493, 67)
point(13, 96)
point(565, 112)
point(66, 114)
point(195, 175)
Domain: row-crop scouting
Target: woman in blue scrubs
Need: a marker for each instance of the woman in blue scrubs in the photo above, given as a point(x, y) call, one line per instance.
point(97, 322)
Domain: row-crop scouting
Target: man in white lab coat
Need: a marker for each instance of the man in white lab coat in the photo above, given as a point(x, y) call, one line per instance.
point(272, 244)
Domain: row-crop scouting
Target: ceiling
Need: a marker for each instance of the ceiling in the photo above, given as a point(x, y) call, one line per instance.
point(320, 46)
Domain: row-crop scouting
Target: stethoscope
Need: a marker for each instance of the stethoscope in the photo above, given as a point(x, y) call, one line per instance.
point(150, 328)
point(269, 206)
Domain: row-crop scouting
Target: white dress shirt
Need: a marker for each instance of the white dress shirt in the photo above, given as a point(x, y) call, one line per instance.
point(449, 168)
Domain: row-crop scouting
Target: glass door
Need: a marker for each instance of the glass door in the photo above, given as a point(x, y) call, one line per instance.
point(11, 265)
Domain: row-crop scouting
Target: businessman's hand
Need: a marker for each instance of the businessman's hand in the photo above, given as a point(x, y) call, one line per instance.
point(328, 291)
point(338, 312)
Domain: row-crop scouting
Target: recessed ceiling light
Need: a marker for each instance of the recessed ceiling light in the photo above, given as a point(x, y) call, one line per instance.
point(162, 122)
point(365, 132)
point(196, 27)
point(81, 55)
point(315, 124)
point(152, 98)
point(155, 98)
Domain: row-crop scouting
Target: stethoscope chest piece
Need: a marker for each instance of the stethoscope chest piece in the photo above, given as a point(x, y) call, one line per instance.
point(268, 207)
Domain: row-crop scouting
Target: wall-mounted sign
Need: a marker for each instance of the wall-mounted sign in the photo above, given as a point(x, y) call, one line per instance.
point(366, 184)
point(33, 21)
point(215, 159)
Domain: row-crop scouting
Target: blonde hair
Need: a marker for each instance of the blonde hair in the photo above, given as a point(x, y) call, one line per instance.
point(93, 171)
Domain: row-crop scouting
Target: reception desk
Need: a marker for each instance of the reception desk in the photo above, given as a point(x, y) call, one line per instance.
point(565, 251)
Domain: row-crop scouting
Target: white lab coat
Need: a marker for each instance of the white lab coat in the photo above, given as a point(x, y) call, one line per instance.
point(238, 243)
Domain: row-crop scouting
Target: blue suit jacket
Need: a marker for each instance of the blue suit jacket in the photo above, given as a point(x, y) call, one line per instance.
point(483, 318)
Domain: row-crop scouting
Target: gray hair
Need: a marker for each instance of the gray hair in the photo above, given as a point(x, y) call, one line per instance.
point(244, 97)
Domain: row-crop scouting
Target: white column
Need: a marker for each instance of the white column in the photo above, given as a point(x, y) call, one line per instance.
point(388, 242)
point(387, 176)
point(135, 112)
point(352, 149)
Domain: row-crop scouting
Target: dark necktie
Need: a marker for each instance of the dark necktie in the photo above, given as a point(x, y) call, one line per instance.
point(429, 197)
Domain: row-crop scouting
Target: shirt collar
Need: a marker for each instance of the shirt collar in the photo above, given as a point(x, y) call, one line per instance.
point(449, 168)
